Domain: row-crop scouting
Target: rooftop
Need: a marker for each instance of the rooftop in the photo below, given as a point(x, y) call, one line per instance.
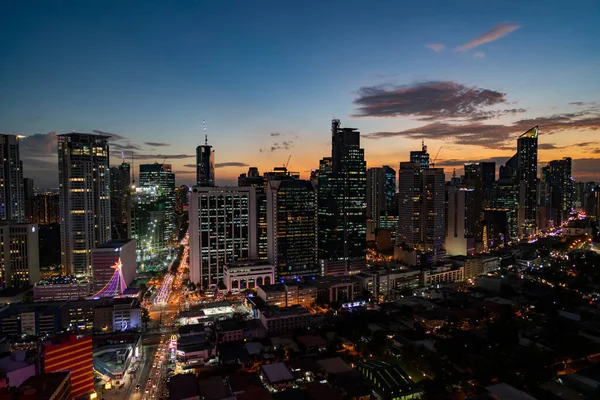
point(277, 372)
point(274, 312)
point(334, 365)
point(183, 386)
point(46, 384)
point(113, 244)
point(276, 287)
point(214, 388)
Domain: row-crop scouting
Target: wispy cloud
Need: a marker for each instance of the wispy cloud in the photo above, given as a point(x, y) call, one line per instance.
point(275, 134)
point(113, 136)
point(231, 164)
point(437, 47)
point(478, 54)
point(156, 144)
point(495, 33)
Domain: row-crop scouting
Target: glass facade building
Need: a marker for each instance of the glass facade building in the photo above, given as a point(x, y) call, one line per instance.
point(84, 187)
point(12, 195)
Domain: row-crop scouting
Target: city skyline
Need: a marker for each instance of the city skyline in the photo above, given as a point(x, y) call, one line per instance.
point(466, 78)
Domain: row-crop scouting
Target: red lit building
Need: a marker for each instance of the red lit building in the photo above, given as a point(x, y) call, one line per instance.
point(74, 355)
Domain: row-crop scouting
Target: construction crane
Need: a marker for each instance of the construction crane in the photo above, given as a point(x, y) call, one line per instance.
point(287, 162)
point(436, 156)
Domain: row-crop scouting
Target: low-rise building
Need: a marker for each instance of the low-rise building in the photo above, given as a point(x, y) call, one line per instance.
point(338, 288)
point(127, 314)
point(279, 320)
point(288, 294)
point(277, 375)
point(441, 275)
point(230, 331)
point(17, 368)
point(388, 284)
point(247, 274)
point(61, 288)
point(389, 380)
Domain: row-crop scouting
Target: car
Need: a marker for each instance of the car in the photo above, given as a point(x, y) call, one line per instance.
point(147, 391)
point(137, 388)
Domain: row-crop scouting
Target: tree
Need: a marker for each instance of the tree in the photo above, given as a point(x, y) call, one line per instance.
point(145, 318)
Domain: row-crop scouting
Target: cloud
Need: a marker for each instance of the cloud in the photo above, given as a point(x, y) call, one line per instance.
point(495, 33)
point(430, 100)
point(577, 103)
point(437, 47)
point(478, 54)
point(275, 134)
point(159, 157)
point(285, 145)
point(40, 144)
point(190, 166)
point(456, 163)
point(156, 144)
point(548, 146)
point(497, 136)
point(113, 136)
point(126, 146)
point(231, 164)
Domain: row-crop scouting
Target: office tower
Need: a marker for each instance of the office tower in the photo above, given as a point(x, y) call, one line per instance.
point(376, 195)
point(149, 226)
point(527, 146)
point(120, 201)
point(342, 203)
point(474, 180)
point(83, 176)
point(45, 209)
point(258, 182)
point(410, 185)
point(161, 177)
point(433, 212)
point(459, 242)
point(205, 163)
point(113, 264)
point(19, 254)
point(506, 225)
point(12, 197)
point(560, 188)
point(75, 355)
point(28, 199)
point(390, 187)
point(488, 182)
point(181, 204)
point(221, 231)
point(420, 157)
point(292, 228)
point(421, 206)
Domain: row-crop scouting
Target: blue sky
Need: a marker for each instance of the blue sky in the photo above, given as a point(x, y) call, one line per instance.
point(152, 71)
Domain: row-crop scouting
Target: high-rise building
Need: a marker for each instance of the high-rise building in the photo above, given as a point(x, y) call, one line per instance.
point(458, 240)
point(19, 254)
point(421, 206)
point(45, 209)
point(376, 195)
point(12, 196)
point(161, 177)
point(474, 180)
point(83, 175)
point(258, 182)
point(292, 228)
point(420, 157)
point(488, 182)
point(75, 355)
point(149, 227)
point(205, 164)
point(106, 258)
point(527, 147)
point(221, 231)
point(120, 201)
point(390, 187)
point(342, 202)
point(560, 189)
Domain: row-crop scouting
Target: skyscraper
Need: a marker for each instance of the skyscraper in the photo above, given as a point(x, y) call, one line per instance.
point(149, 223)
point(19, 254)
point(458, 240)
point(474, 180)
point(557, 176)
point(527, 147)
point(83, 175)
point(342, 203)
point(221, 231)
point(376, 195)
point(421, 206)
point(205, 163)
point(390, 187)
point(12, 196)
point(120, 201)
point(162, 178)
point(258, 182)
point(292, 228)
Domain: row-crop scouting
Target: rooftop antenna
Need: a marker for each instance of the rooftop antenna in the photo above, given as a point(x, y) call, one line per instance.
point(123, 156)
point(205, 134)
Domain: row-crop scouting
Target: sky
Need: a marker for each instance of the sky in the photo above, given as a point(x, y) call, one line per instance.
point(268, 76)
